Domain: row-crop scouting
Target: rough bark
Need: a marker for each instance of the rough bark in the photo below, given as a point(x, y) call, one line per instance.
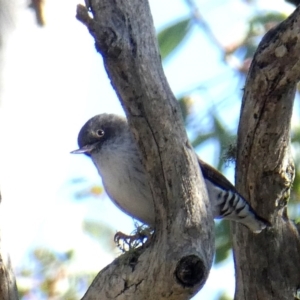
point(178, 260)
point(268, 265)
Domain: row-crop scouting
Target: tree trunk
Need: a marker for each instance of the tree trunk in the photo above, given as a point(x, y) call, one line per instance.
point(177, 262)
point(268, 265)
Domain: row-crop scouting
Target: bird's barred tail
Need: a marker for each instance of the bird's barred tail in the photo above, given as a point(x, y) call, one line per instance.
point(231, 206)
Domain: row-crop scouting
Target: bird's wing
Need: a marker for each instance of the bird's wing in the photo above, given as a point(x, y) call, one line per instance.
point(215, 176)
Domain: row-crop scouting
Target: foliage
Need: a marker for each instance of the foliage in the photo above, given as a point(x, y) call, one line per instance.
point(49, 275)
point(172, 36)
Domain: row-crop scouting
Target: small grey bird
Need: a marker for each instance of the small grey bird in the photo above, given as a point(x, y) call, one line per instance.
point(108, 141)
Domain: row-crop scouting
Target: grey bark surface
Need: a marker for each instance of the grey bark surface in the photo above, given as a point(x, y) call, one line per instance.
point(177, 262)
point(268, 265)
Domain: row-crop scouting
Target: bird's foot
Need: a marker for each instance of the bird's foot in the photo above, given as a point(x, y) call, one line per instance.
point(140, 237)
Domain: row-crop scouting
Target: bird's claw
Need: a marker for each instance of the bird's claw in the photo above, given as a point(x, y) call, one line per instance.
point(126, 242)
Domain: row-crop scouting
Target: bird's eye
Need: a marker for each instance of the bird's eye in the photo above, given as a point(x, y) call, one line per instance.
point(100, 132)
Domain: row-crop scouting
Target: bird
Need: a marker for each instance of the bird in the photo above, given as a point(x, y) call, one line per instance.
point(108, 141)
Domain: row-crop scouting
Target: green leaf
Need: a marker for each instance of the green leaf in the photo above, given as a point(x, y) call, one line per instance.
point(201, 138)
point(260, 23)
point(274, 17)
point(170, 37)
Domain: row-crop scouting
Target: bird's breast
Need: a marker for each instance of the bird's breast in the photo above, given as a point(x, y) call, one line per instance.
point(126, 183)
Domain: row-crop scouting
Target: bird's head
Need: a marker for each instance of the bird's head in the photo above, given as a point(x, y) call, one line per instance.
point(99, 130)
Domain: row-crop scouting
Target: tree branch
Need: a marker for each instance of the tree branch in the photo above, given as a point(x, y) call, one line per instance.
point(265, 269)
point(8, 287)
point(176, 264)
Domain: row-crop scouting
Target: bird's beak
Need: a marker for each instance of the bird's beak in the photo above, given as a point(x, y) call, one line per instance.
point(87, 149)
